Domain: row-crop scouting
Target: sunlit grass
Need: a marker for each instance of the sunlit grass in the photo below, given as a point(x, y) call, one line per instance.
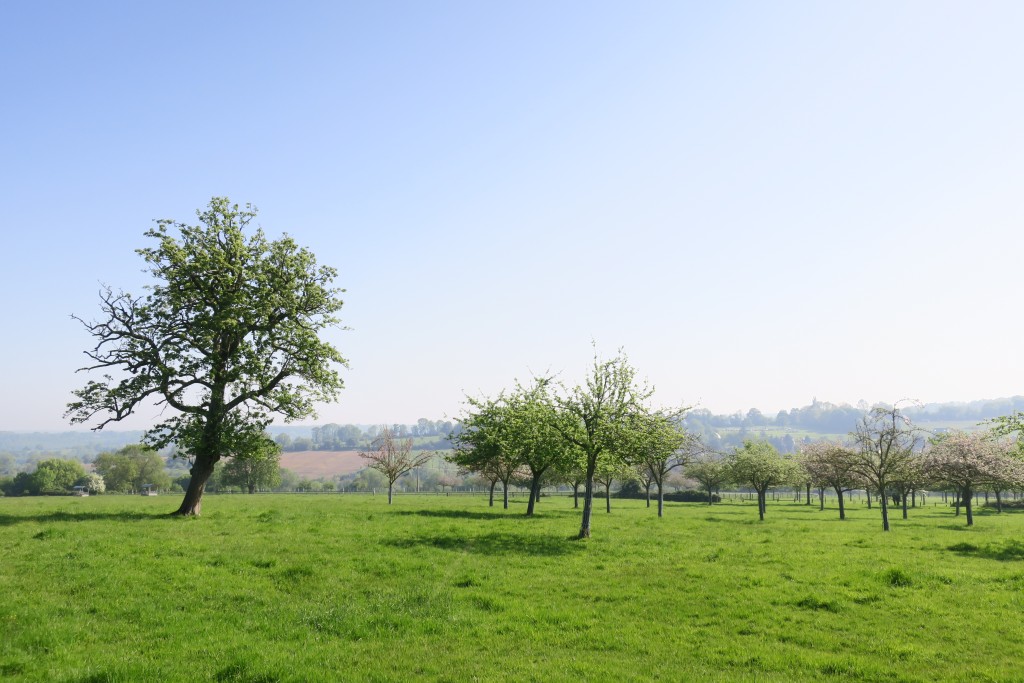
point(333, 587)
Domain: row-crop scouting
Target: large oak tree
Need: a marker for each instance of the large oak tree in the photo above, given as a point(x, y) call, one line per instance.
point(227, 337)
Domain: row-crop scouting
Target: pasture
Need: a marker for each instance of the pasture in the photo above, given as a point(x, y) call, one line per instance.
point(343, 587)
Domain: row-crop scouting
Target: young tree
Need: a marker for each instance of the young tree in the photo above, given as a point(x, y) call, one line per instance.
point(760, 466)
point(970, 461)
point(530, 435)
point(830, 465)
point(483, 444)
point(658, 445)
point(226, 338)
point(885, 443)
point(393, 457)
point(594, 420)
point(711, 472)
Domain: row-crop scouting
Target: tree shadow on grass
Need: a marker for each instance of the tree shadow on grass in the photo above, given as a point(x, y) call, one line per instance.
point(455, 514)
point(1007, 552)
point(494, 543)
point(89, 516)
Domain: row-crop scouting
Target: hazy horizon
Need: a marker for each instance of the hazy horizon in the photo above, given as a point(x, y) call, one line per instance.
point(759, 203)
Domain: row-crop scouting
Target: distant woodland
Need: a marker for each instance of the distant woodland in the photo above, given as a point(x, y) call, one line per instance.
point(786, 430)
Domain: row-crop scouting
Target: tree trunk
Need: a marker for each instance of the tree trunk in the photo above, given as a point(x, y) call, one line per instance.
point(842, 510)
point(913, 498)
point(575, 495)
point(968, 497)
point(588, 501)
point(608, 497)
point(534, 494)
point(504, 488)
point(904, 505)
point(808, 494)
point(661, 500)
point(821, 499)
point(201, 470)
point(490, 499)
point(956, 502)
point(868, 491)
point(648, 494)
point(709, 495)
point(761, 495)
point(391, 485)
point(252, 489)
point(885, 510)
point(999, 500)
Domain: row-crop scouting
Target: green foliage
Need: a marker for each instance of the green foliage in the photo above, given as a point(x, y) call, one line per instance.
point(131, 468)
point(702, 594)
point(256, 468)
point(227, 337)
point(52, 476)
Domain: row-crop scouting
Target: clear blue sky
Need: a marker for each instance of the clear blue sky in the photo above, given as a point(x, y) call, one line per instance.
point(761, 202)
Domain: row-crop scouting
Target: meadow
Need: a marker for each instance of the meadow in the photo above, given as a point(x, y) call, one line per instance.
point(308, 587)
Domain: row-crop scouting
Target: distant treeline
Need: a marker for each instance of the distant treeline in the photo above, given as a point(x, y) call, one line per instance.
point(336, 437)
point(721, 432)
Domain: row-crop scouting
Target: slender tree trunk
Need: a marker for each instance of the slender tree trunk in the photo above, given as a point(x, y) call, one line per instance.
point(821, 499)
point(885, 510)
point(391, 485)
point(504, 488)
point(661, 500)
point(913, 498)
point(538, 490)
point(490, 499)
point(842, 510)
point(647, 492)
point(761, 495)
point(808, 494)
point(588, 500)
point(575, 495)
point(534, 494)
point(608, 497)
point(999, 500)
point(970, 511)
point(710, 491)
point(868, 491)
point(956, 502)
point(904, 505)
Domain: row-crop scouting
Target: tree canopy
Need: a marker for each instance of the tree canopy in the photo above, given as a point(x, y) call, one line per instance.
point(227, 337)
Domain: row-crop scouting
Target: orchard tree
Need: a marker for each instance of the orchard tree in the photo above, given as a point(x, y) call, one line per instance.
point(967, 462)
point(227, 337)
point(393, 457)
point(830, 465)
point(531, 435)
point(594, 421)
point(485, 443)
point(885, 444)
point(656, 446)
point(710, 471)
point(759, 465)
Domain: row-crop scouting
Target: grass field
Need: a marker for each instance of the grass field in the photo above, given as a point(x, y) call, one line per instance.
point(343, 587)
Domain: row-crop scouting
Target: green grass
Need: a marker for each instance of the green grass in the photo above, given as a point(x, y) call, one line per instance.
point(332, 587)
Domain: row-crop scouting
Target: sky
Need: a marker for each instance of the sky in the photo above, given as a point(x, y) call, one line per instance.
point(760, 203)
